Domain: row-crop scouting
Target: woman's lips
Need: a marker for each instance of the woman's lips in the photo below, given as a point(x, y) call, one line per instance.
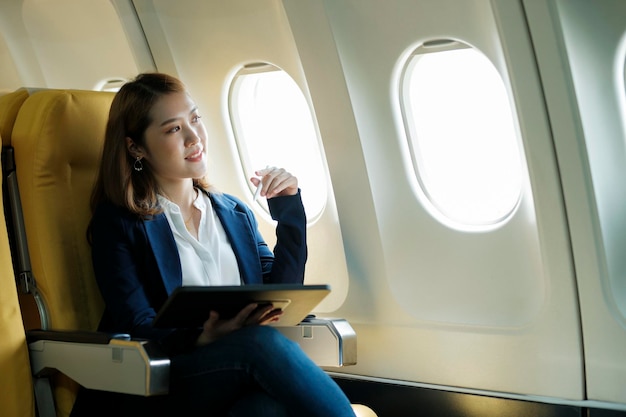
point(196, 155)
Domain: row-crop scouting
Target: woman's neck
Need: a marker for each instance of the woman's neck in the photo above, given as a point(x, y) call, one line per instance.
point(182, 194)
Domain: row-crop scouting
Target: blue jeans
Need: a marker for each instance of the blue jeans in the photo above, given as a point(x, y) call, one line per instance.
point(254, 371)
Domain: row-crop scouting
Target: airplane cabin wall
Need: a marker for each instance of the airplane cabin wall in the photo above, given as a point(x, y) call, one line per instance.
point(582, 53)
point(533, 308)
point(494, 310)
point(10, 74)
point(65, 43)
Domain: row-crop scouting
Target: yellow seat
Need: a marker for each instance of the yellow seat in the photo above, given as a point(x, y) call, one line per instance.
point(57, 139)
point(16, 390)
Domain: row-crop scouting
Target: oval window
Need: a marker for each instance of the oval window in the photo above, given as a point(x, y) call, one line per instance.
point(461, 133)
point(273, 125)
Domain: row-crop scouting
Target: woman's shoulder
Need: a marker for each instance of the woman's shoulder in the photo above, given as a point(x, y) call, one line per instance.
point(111, 223)
point(107, 209)
point(107, 214)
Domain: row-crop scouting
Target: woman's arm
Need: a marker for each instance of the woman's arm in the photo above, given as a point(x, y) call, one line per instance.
point(286, 263)
point(290, 252)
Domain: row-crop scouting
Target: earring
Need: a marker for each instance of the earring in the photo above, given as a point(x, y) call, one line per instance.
point(138, 165)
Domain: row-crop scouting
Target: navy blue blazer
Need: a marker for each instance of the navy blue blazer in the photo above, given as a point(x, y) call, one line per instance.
point(137, 266)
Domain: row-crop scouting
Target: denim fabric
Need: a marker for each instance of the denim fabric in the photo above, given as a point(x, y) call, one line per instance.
point(254, 371)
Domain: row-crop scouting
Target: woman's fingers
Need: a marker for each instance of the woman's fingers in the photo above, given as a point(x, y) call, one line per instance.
point(274, 182)
point(264, 315)
point(250, 315)
point(242, 318)
point(272, 316)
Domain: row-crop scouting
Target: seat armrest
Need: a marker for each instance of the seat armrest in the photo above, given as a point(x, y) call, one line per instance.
point(327, 341)
point(77, 336)
point(101, 361)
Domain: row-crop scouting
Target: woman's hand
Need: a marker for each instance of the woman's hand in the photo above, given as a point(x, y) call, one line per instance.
point(251, 315)
point(275, 182)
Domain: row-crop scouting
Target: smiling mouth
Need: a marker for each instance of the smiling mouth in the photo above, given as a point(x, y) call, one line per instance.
point(196, 154)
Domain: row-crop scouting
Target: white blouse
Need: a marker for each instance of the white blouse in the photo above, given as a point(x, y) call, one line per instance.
point(208, 260)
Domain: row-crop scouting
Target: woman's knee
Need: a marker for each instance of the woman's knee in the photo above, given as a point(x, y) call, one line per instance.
point(265, 338)
point(263, 344)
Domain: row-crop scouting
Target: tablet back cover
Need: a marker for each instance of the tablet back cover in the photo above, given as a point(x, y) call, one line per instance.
point(190, 306)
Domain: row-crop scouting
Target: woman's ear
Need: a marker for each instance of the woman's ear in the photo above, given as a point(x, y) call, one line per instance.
point(133, 149)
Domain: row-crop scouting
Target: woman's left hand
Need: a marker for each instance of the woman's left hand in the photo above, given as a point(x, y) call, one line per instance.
point(276, 182)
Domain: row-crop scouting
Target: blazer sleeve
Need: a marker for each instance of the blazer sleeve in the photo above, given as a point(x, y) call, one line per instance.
point(290, 252)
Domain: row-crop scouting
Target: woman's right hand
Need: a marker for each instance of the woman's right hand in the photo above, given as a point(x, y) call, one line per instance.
point(214, 328)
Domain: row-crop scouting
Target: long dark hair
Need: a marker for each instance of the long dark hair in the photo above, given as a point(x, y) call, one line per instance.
point(118, 181)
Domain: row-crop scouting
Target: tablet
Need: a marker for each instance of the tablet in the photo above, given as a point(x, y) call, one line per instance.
point(190, 306)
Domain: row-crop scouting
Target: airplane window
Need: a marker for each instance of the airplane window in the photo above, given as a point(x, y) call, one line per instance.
point(273, 126)
point(110, 84)
point(461, 134)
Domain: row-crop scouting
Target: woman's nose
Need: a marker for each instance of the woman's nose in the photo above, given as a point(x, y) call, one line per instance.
point(191, 138)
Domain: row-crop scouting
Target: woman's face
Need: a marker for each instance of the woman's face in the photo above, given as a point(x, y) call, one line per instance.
point(175, 141)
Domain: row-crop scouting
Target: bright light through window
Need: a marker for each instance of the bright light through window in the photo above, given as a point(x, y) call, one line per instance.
point(462, 135)
point(273, 126)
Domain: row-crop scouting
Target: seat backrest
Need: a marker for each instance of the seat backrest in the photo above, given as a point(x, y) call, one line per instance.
point(16, 389)
point(57, 140)
point(58, 137)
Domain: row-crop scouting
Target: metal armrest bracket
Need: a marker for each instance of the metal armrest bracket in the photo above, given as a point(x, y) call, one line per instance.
point(327, 341)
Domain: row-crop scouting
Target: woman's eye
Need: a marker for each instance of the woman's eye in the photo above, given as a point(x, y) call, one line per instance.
point(174, 129)
point(196, 118)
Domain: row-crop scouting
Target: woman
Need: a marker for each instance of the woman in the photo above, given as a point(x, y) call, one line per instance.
point(157, 224)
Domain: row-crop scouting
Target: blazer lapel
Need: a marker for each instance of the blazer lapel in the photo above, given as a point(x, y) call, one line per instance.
point(165, 252)
point(241, 236)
